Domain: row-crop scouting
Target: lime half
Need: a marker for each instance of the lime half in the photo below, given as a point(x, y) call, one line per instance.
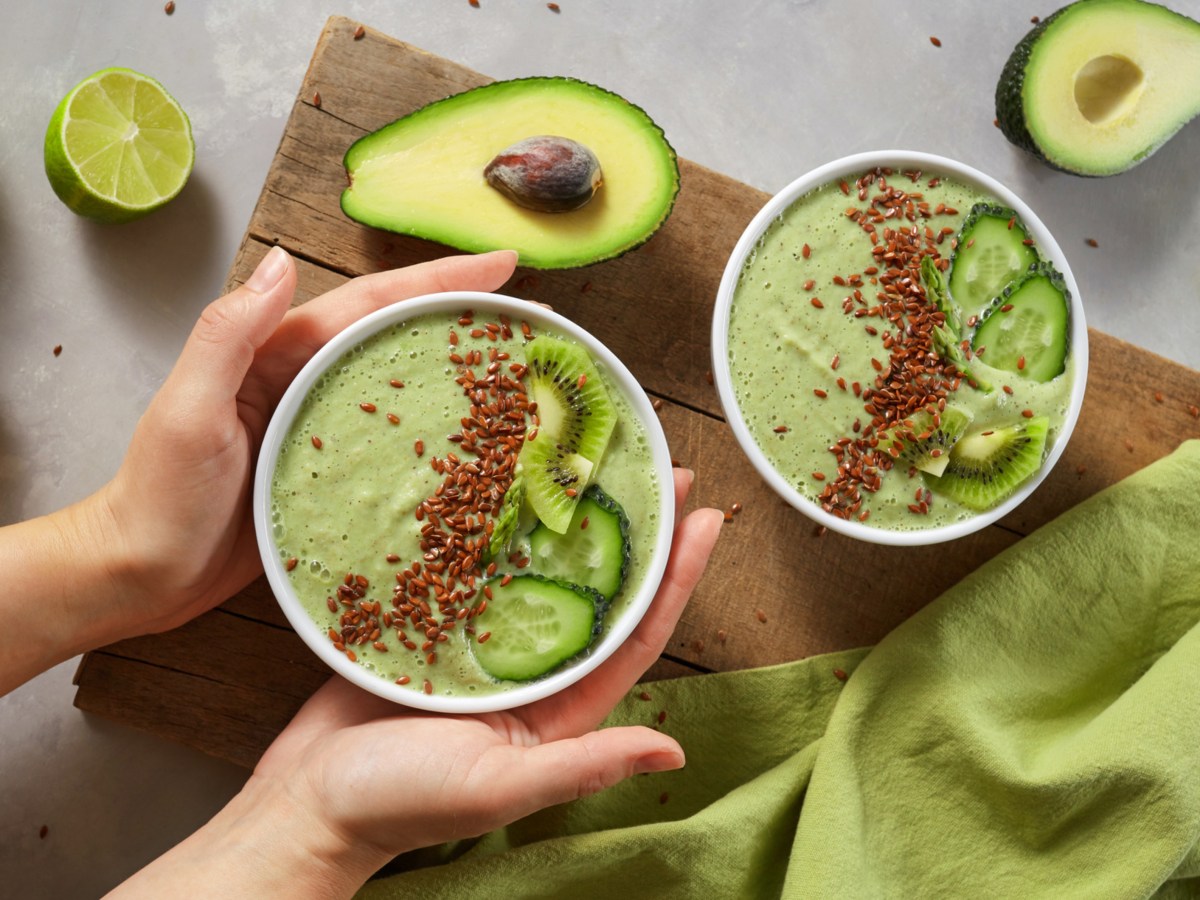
point(118, 147)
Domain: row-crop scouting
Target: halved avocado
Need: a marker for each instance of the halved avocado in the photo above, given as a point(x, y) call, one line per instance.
point(423, 175)
point(1100, 85)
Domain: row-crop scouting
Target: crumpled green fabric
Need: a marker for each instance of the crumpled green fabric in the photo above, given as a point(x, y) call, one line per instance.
point(1034, 732)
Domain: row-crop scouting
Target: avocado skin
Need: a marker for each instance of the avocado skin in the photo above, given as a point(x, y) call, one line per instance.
point(1010, 98)
point(1010, 102)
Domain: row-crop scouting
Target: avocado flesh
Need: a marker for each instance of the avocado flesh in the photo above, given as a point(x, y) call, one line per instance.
point(423, 174)
point(1100, 85)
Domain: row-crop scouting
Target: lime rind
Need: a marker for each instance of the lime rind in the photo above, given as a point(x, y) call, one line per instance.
point(118, 146)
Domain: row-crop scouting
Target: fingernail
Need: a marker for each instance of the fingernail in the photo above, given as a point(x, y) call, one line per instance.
point(691, 475)
point(658, 761)
point(269, 271)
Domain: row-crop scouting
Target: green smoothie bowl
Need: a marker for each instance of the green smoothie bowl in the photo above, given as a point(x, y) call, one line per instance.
point(464, 503)
point(899, 347)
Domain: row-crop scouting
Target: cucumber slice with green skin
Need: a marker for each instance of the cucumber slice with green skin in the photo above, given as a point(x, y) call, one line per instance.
point(991, 252)
point(594, 550)
point(532, 625)
point(1025, 330)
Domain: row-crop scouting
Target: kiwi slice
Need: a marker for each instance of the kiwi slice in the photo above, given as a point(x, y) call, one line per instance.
point(576, 418)
point(929, 437)
point(554, 480)
point(987, 465)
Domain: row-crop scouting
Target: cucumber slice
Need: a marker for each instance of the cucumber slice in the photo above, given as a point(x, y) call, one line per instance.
point(594, 550)
point(1025, 329)
point(991, 252)
point(532, 626)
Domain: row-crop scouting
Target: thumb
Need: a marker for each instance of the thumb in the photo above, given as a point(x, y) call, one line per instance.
point(218, 354)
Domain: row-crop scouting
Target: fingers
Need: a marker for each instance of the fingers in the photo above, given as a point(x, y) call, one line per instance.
point(683, 487)
point(567, 769)
point(583, 706)
point(309, 327)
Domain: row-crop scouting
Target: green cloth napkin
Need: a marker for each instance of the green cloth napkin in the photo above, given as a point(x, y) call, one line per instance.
point(1034, 732)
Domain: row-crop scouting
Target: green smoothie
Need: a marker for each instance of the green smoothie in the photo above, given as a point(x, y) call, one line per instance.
point(806, 346)
point(363, 454)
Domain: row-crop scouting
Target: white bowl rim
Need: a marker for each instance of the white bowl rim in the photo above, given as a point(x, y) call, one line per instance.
point(856, 164)
point(316, 637)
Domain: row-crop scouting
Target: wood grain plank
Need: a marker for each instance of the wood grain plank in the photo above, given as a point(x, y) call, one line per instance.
point(776, 590)
point(225, 719)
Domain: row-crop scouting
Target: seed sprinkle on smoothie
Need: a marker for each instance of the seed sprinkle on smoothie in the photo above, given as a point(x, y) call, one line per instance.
point(483, 565)
point(887, 403)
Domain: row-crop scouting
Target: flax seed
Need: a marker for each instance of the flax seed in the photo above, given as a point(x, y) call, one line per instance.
point(359, 33)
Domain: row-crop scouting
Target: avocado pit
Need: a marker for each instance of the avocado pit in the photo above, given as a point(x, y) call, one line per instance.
point(1107, 88)
point(546, 173)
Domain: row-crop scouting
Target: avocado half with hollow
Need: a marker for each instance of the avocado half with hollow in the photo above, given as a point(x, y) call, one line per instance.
point(423, 175)
point(1100, 85)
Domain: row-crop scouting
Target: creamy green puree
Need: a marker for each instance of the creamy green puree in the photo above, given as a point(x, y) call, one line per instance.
point(781, 348)
point(344, 507)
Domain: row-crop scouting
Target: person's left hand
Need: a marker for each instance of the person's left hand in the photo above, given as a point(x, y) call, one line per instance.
point(178, 507)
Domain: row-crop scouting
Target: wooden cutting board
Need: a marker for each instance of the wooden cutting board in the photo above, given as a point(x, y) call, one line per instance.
point(775, 590)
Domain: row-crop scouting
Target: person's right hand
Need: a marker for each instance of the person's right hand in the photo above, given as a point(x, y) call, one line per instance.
point(355, 780)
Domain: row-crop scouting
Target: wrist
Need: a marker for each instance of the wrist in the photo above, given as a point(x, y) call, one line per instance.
point(263, 843)
point(68, 593)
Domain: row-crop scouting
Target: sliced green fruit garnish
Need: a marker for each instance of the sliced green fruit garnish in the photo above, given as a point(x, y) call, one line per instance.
point(991, 252)
point(929, 440)
point(532, 626)
point(575, 422)
point(947, 337)
point(118, 147)
point(555, 480)
point(1025, 330)
point(988, 465)
point(595, 549)
point(507, 520)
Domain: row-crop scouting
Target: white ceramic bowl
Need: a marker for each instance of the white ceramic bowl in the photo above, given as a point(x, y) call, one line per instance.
point(485, 305)
point(851, 167)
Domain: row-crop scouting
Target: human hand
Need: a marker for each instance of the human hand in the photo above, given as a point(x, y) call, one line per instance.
point(355, 780)
point(465, 775)
point(177, 515)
